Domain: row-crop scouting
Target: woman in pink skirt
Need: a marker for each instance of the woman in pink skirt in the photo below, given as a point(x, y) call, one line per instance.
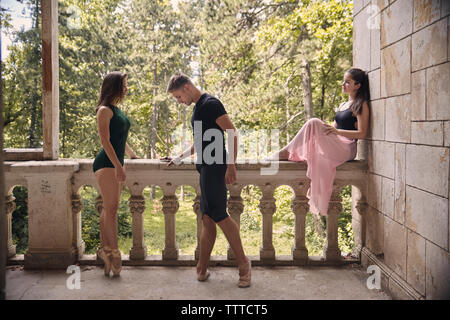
point(324, 147)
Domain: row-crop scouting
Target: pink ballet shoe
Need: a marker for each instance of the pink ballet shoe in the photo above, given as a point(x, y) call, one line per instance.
point(104, 254)
point(203, 277)
point(245, 280)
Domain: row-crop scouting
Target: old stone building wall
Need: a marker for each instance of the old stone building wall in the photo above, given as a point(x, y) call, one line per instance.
point(405, 47)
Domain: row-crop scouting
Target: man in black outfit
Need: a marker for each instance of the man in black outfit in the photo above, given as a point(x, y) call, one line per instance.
point(216, 168)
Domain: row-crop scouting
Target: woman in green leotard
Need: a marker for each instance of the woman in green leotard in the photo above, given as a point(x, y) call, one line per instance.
point(108, 166)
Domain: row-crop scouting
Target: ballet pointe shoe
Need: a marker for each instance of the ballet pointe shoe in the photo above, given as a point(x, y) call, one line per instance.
point(245, 279)
point(104, 254)
point(116, 262)
point(202, 277)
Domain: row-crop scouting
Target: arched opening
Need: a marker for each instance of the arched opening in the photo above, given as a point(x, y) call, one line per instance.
point(18, 202)
point(186, 220)
point(283, 221)
point(251, 220)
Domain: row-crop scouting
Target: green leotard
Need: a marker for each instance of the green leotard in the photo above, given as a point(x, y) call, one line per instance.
point(118, 133)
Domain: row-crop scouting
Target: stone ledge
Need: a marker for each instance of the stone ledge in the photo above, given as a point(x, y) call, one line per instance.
point(23, 154)
point(138, 164)
point(392, 283)
point(188, 260)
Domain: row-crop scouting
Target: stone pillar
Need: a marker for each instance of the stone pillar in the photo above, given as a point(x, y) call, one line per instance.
point(77, 240)
point(50, 218)
point(137, 208)
point(331, 250)
point(50, 79)
point(10, 206)
point(268, 208)
point(170, 208)
point(3, 220)
point(99, 208)
point(300, 208)
point(359, 209)
point(235, 209)
point(198, 212)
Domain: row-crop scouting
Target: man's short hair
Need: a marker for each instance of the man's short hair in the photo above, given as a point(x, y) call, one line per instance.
point(177, 81)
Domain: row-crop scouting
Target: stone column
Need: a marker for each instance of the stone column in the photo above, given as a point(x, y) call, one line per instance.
point(10, 206)
point(198, 212)
point(77, 240)
point(137, 208)
point(170, 208)
point(300, 208)
point(99, 208)
point(359, 209)
point(235, 209)
point(268, 208)
point(331, 250)
point(50, 79)
point(50, 218)
point(3, 223)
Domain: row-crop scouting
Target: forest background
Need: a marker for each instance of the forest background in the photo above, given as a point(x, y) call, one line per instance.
point(273, 63)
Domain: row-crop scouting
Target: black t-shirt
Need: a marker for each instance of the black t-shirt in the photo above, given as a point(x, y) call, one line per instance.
point(345, 120)
point(206, 111)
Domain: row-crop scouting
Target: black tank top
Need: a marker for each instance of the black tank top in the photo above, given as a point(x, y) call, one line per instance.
point(345, 119)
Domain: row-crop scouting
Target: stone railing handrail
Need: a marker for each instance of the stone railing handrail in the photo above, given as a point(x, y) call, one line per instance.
point(54, 206)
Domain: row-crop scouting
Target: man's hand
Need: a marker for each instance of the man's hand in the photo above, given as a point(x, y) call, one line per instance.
point(230, 175)
point(171, 160)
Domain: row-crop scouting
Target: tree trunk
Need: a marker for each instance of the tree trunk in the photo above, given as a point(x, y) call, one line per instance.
point(306, 89)
point(154, 113)
point(3, 222)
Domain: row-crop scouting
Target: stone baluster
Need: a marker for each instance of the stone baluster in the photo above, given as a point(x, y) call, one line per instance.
point(77, 240)
point(137, 208)
point(235, 208)
point(300, 208)
point(10, 206)
point(331, 250)
point(170, 208)
point(198, 212)
point(99, 208)
point(299, 251)
point(359, 209)
point(268, 208)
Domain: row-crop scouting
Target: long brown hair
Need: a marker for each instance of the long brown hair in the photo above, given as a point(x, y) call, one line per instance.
point(112, 91)
point(363, 93)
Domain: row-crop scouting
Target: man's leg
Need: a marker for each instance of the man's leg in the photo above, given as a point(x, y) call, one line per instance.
point(231, 231)
point(207, 240)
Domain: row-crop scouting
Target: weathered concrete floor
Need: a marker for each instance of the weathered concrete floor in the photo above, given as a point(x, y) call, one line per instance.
point(348, 282)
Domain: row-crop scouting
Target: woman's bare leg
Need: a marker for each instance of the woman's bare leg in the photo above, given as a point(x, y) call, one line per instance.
point(110, 190)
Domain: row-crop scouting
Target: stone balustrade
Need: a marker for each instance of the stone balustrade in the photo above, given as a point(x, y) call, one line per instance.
point(54, 209)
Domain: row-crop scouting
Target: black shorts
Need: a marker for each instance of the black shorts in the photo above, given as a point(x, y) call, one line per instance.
point(213, 200)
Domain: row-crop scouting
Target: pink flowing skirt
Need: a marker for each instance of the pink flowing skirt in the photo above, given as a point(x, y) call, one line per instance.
point(323, 153)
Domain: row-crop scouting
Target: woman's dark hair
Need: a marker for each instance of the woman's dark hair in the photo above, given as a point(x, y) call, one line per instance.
point(112, 91)
point(363, 93)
